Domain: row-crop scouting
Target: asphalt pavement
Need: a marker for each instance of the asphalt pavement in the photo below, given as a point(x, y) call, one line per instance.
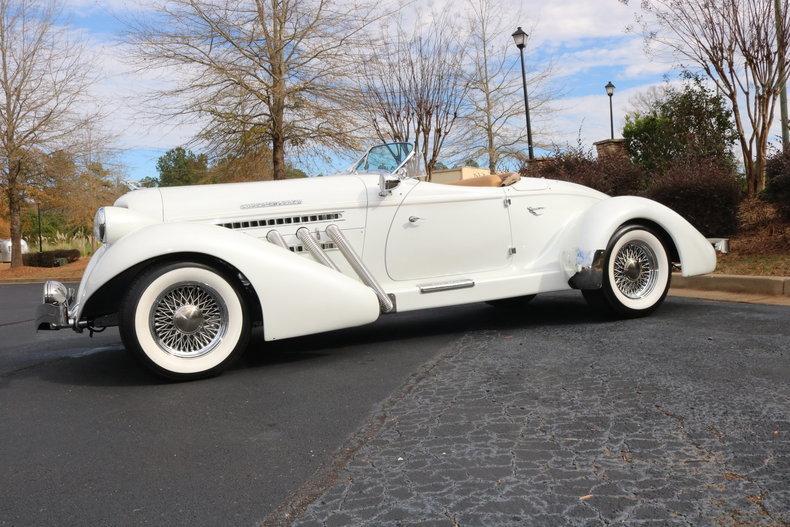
point(460, 416)
point(88, 438)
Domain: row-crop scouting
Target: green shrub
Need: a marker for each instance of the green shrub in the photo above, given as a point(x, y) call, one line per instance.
point(51, 258)
point(704, 191)
point(777, 183)
point(691, 120)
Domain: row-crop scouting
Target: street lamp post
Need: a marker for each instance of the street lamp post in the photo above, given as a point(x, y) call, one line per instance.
point(38, 213)
point(610, 92)
point(520, 38)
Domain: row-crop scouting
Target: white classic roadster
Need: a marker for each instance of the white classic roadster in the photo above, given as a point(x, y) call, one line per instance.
point(186, 272)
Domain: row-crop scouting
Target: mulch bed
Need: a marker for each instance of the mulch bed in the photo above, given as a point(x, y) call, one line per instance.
point(72, 271)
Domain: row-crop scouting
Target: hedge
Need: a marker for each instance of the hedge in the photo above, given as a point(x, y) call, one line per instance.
point(51, 258)
point(777, 183)
point(704, 191)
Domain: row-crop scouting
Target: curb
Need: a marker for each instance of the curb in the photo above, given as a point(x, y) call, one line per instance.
point(753, 285)
point(33, 280)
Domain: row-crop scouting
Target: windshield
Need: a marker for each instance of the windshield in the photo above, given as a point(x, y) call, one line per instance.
point(384, 159)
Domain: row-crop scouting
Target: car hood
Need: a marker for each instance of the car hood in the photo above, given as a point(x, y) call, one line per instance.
point(241, 201)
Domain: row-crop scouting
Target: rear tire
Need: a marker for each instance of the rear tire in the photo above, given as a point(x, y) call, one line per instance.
point(184, 321)
point(637, 274)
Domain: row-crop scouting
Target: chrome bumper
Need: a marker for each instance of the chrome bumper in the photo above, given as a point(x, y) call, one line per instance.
point(53, 313)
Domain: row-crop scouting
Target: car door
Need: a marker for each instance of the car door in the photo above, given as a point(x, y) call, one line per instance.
point(446, 230)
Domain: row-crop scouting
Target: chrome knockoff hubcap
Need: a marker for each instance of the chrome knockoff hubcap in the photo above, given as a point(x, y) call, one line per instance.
point(188, 320)
point(635, 269)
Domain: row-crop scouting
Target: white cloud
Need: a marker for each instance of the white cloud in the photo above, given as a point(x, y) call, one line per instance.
point(573, 20)
point(588, 116)
point(627, 55)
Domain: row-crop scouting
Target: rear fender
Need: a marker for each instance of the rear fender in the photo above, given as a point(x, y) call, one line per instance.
point(297, 295)
point(586, 241)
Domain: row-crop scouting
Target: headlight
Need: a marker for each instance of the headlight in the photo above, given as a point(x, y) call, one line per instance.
point(113, 223)
point(100, 226)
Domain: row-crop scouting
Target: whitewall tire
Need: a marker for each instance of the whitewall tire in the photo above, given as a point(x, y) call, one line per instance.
point(185, 320)
point(637, 273)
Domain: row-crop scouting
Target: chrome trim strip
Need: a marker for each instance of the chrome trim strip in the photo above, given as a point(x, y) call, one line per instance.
point(446, 286)
point(336, 235)
point(314, 248)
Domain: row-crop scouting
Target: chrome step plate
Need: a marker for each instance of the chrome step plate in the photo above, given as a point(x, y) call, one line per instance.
point(446, 286)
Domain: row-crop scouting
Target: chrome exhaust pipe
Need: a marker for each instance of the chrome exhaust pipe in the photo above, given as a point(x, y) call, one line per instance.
point(314, 248)
point(274, 236)
point(336, 235)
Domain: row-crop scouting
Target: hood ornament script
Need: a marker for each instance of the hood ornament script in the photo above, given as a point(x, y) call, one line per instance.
point(265, 204)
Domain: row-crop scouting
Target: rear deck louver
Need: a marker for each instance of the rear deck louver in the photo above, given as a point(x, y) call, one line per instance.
point(285, 220)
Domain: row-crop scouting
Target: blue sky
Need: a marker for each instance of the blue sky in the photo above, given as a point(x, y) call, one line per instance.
point(585, 40)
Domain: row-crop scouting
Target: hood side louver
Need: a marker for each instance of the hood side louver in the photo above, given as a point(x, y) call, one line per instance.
point(283, 220)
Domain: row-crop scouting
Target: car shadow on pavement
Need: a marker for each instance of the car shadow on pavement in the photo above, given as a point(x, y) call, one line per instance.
point(564, 309)
point(115, 367)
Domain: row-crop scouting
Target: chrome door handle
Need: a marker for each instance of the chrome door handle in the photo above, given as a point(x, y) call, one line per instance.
point(415, 219)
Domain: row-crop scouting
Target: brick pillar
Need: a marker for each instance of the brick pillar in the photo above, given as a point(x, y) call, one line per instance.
point(611, 147)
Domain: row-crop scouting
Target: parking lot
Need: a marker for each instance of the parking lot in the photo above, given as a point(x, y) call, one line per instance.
point(459, 416)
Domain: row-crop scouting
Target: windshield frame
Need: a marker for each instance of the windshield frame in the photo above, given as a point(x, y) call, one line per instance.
point(353, 168)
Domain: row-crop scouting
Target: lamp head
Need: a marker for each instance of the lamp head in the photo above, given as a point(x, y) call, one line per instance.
point(520, 38)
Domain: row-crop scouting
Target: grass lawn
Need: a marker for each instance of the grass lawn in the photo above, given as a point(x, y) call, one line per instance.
point(754, 264)
point(72, 272)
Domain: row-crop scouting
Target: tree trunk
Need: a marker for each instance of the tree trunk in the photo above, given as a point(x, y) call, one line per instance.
point(278, 96)
point(278, 127)
point(278, 156)
point(492, 153)
point(749, 167)
point(758, 168)
point(14, 207)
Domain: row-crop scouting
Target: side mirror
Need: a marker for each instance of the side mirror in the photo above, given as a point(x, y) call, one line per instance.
point(387, 183)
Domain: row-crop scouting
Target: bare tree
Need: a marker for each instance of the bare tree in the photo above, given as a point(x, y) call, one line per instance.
point(271, 71)
point(44, 76)
point(413, 88)
point(739, 45)
point(495, 125)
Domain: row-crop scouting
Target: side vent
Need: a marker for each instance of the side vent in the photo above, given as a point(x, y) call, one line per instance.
point(301, 248)
point(284, 220)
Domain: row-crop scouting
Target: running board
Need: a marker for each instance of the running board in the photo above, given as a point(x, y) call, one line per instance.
point(446, 286)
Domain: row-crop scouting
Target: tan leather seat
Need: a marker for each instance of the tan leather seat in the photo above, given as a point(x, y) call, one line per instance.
point(483, 181)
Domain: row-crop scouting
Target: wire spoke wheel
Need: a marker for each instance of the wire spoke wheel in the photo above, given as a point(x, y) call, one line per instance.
point(188, 320)
point(635, 269)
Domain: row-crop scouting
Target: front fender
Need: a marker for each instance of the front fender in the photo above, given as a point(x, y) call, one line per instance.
point(589, 236)
point(298, 296)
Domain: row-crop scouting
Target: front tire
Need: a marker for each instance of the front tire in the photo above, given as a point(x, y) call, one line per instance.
point(637, 274)
point(185, 321)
